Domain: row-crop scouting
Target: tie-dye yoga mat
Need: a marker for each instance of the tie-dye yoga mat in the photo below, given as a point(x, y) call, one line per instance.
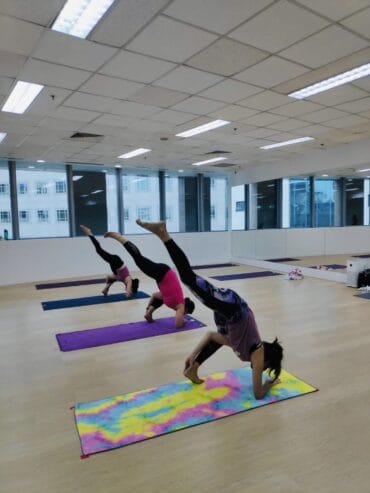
point(133, 417)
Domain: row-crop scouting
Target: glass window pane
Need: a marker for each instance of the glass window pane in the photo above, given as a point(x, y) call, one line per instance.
point(267, 204)
point(354, 201)
point(38, 201)
point(215, 203)
point(181, 202)
point(140, 199)
point(300, 202)
point(238, 208)
point(6, 228)
point(327, 202)
point(95, 196)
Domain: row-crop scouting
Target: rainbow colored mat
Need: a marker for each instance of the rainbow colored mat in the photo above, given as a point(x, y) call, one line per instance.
point(133, 417)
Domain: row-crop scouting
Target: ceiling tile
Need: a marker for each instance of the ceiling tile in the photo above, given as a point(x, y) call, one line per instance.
point(363, 83)
point(226, 57)
point(346, 121)
point(124, 20)
point(312, 130)
point(170, 40)
point(278, 26)
point(74, 114)
point(6, 84)
point(323, 115)
point(233, 112)
point(36, 11)
point(339, 95)
point(356, 106)
point(265, 100)
point(297, 108)
point(261, 133)
point(230, 13)
point(18, 36)
point(335, 9)
point(263, 119)
point(11, 63)
point(271, 72)
point(52, 74)
point(103, 85)
point(326, 46)
point(158, 96)
point(171, 116)
point(360, 23)
point(133, 66)
point(230, 91)
point(48, 99)
point(59, 124)
point(188, 79)
point(198, 106)
point(288, 125)
point(90, 102)
point(116, 121)
point(136, 110)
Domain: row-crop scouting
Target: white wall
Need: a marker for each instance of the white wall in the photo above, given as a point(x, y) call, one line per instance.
point(277, 243)
point(58, 258)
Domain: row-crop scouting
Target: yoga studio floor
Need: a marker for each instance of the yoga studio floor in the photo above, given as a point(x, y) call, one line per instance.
point(319, 442)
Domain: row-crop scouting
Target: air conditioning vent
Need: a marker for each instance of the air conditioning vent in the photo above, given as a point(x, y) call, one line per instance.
point(224, 165)
point(85, 137)
point(217, 152)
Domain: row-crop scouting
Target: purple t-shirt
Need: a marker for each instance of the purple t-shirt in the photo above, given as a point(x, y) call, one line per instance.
point(243, 335)
point(122, 273)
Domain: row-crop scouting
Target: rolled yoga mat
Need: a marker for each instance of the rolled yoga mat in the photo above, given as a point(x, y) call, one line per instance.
point(91, 300)
point(71, 341)
point(66, 284)
point(133, 417)
point(246, 275)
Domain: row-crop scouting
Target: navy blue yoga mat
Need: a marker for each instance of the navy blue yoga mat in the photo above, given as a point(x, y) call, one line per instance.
point(66, 284)
point(330, 266)
point(283, 259)
point(90, 300)
point(362, 256)
point(245, 275)
point(366, 296)
point(71, 341)
point(210, 266)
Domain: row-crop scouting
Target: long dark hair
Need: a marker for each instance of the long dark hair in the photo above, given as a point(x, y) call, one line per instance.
point(273, 355)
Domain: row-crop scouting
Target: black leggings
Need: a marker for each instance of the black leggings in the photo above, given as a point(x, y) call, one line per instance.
point(152, 269)
point(208, 294)
point(114, 261)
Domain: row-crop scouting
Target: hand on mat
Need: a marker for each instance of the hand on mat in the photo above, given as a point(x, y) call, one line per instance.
point(128, 294)
point(275, 382)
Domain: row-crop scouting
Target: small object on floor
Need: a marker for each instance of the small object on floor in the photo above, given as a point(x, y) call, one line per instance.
point(364, 289)
point(294, 275)
point(117, 421)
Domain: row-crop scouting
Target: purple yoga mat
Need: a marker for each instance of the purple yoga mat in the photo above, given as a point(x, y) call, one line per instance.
point(71, 341)
point(246, 275)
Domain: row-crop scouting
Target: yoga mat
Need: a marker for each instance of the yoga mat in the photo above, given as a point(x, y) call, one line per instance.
point(284, 259)
point(246, 275)
point(90, 300)
point(66, 284)
point(331, 266)
point(133, 417)
point(71, 341)
point(362, 256)
point(210, 266)
point(366, 296)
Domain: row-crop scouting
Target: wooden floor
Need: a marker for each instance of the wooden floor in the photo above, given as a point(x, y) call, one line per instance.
point(315, 443)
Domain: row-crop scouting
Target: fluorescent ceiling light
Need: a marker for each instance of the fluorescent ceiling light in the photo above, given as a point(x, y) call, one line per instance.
point(97, 191)
point(213, 160)
point(117, 166)
point(287, 143)
point(136, 152)
point(363, 170)
point(2, 136)
point(40, 161)
point(337, 80)
point(203, 128)
point(79, 17)
point(77, 177)
point(21, 97)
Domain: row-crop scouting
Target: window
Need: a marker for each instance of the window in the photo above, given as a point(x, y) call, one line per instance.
point(42, 216)
point(354, 201)
point(24, 216)
point(126, 215)
point(62, 215)
point(267, 205)
point(218, 210)
point(238, 207)
point(5, 216)
point(38, 217)
point(168, 213)
point(143, 213)
point(299, 196)
point(327, 202)
point(22, 188)
point(213, 212)
point(41, 188)
point(60, 187)
point(4, 188)
point(182, 199)
point(141, 193)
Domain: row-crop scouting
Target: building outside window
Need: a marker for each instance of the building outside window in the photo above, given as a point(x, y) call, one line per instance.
point(4, 189)
point(327, 206)
point(267, 205)
point(238, 208)
point(62, 215)
point(5, 216)
point(218, 204)
point(41, 188)
point(24, 216)
point(126, 214)
point(299, 197)
point(181, 197)
point(22, 188)
point(60, 187)
point(354, 201)
point(42, 216)
point(5, 205)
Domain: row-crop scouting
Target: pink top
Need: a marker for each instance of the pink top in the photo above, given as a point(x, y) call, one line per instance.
point(122, 273)
point(171, 290)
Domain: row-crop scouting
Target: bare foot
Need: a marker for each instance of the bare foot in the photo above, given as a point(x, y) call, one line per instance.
point(128, 294)
point(158, 228)
point(148, 318)
point(191, 372)
point(86, 230)
point(112, 234)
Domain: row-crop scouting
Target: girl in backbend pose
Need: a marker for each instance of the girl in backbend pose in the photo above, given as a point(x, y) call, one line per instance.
point(170, 290)
point(119, 269)
point(236, 326)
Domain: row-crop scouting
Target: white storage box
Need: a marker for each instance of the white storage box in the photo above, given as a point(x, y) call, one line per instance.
point(354, 267)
